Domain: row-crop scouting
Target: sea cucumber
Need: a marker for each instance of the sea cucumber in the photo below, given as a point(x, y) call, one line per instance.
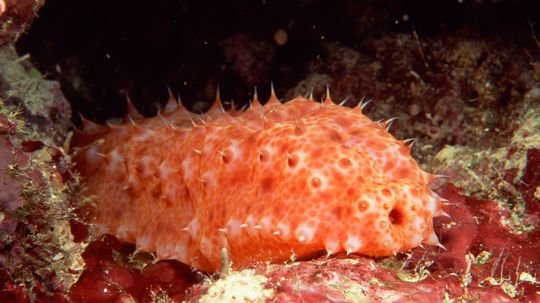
point(275, 181)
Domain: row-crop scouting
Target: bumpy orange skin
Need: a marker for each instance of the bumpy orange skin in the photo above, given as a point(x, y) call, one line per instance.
point(277, 180)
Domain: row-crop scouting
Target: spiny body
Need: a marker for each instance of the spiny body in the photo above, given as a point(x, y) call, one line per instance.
point(276, 180)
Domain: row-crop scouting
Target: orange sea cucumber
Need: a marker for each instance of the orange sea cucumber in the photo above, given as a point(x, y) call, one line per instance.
point(276, 180)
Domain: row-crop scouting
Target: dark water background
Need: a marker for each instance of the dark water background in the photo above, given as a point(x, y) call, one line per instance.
point(102, 50)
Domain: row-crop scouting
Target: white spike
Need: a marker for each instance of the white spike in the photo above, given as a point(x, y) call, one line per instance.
point(448, 203)
point(361, 101)
point(171, 104)
point(433, 195)
point(222, 108)
point(192, 122)
point(245, 106)
point(243, 225)
point(99, 142)
point(433, 240)
point(257, 226)
point(218, 100)
point(442, 213)
point(276, 233)
point(169, 91)
point(130, 119)
point(328, 98)
point(131, 110)
point(310, 95)
point(201, 118)
point(179, 99)
point(344, 101)
point(389, 122)
point(255, 94)
point(218, 93)
point(410, 142)
point(167, 124)
point(306, 95)
point(364, 104)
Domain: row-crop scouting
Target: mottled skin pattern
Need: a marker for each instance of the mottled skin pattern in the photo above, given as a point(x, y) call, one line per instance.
point(275, 181)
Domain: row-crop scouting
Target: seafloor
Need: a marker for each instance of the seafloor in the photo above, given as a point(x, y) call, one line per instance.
point(463, 78)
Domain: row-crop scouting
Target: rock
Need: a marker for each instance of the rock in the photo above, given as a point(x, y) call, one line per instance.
point(15, 18)
point(40, 260)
